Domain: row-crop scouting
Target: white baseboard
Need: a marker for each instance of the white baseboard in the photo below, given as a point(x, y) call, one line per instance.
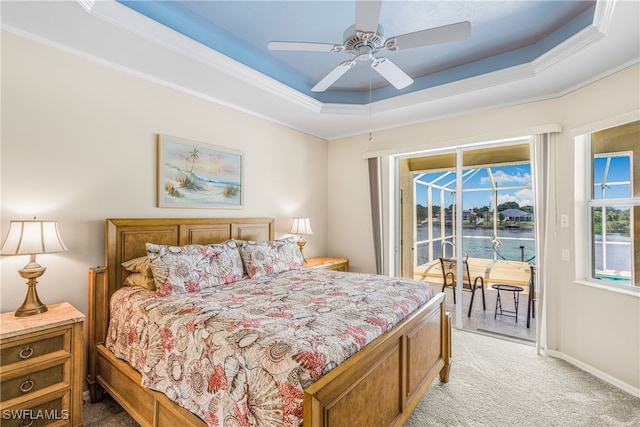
point(634, 391)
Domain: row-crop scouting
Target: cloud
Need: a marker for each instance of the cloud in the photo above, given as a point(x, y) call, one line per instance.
point(523, 197)
point(502, 178)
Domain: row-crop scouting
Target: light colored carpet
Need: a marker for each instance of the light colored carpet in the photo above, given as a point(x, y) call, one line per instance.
point(493, 382)
point(106, 413)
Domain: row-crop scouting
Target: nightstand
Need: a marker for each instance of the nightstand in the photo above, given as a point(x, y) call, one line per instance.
point(326, 263)
point(41, 368)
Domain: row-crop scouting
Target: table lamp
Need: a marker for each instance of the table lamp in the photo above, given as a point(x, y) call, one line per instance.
point(32, 238)
point(301, 226)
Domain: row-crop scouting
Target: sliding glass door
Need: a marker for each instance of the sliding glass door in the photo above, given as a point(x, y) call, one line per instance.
point(473, 206)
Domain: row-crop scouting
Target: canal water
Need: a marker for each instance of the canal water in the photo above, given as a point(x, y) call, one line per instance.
point(518, 244)
point(477, 243)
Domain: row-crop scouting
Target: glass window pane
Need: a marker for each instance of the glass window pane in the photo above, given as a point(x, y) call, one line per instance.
point(612, 176)
point(422, 253)
point(487, 191)
point(599, 164)
point(612, 248)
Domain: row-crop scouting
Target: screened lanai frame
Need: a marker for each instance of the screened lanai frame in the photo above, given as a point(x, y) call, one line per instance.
point(444, 181)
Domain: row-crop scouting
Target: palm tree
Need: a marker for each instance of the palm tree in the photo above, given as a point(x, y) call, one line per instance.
point(193, 156)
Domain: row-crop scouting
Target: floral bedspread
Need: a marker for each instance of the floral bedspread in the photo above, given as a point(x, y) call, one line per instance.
point(241, 354)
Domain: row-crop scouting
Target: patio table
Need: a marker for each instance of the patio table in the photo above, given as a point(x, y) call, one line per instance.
point(516, 299)
point(514, 273)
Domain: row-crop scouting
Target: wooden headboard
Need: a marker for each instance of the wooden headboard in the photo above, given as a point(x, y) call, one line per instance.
point(126, 239)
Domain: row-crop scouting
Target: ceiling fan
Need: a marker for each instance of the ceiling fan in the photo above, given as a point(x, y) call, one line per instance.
point(366, 38)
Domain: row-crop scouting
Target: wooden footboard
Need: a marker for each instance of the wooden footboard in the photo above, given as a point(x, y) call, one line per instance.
point(379, 386)
point(382, 384)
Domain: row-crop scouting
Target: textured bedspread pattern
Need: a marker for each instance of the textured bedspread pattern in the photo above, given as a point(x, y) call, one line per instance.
point(241, 354)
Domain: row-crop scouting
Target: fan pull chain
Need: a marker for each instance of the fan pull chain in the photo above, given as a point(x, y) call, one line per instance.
point(370, 110)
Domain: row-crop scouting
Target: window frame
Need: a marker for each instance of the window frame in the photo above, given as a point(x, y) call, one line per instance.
point(589, 204)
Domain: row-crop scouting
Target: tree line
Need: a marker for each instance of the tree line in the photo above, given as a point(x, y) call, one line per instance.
point(480, 212)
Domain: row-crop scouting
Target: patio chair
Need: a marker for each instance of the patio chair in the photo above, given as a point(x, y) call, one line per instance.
point(531, 307)
point(449, 271)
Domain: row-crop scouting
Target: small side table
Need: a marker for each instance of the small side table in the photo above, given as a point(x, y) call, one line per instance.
point(328, 263)
point(41, 367)
point(516, 299)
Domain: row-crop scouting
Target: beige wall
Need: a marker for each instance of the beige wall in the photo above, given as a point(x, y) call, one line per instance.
point(78, 146)
point(597, 328)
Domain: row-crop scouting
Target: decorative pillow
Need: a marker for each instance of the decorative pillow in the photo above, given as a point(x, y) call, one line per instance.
point(139, 265)
point(139, 279)
point(273, 256)
point(183, 269)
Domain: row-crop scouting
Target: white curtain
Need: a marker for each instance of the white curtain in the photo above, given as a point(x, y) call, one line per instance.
point(543, 166)
point(376, 209)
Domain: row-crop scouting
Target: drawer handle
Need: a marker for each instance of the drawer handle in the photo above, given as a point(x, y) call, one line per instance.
point(26, 352)
point(26, 386)
point(26, 423)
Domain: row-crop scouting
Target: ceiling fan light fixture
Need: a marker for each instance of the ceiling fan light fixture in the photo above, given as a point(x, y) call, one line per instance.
point(364, 53)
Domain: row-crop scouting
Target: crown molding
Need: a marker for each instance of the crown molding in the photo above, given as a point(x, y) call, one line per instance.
point(117, 14)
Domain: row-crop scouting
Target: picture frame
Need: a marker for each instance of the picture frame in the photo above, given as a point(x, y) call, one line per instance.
point(192, 174)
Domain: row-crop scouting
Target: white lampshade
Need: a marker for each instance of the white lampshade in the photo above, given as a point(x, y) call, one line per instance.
point(301, 226)
point(32, 237)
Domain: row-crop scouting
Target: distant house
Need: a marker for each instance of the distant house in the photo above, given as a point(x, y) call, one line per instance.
point(466, 216)
point(516, 215)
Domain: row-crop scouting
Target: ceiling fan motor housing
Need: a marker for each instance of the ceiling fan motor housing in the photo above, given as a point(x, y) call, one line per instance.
point(363, 44)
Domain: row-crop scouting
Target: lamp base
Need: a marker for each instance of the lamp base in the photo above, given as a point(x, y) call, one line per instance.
point(28, 310)
point(31, 304)
point(301, 242)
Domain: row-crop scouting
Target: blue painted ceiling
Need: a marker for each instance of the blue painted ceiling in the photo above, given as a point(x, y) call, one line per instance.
point(503, 34)
point(517, 52)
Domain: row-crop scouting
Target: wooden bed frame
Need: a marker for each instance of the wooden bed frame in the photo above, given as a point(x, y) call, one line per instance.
point(379, 386)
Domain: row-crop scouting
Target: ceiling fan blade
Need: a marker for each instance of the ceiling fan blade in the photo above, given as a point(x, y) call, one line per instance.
point(367, 15)
point(391, 72)
point(305, 46)
point(334, 75)
point(431, 36)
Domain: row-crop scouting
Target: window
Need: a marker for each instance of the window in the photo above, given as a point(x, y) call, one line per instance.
point(614, 205)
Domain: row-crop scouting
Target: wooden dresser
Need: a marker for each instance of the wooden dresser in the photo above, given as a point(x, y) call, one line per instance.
point(41, 368)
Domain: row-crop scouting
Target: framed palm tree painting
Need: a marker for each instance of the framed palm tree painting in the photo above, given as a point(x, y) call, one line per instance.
point(196, 175)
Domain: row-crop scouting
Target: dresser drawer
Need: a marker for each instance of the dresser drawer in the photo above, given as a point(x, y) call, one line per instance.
point(25, 384)
point(34, 346)
point(51, 410)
